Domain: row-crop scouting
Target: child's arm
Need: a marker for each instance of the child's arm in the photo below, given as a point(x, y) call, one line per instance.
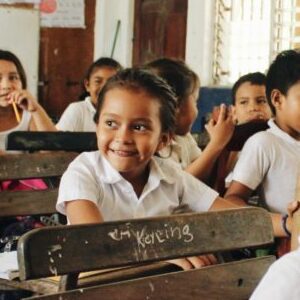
point(40, 120)
point(238, 194)
point(83, 212)
point(220, 133)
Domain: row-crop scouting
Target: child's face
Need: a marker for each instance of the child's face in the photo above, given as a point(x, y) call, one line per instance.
point(129, 130)
point(251, 103)
point(288, 110)
point(187, 113)
point(9, 81)
point(97, 80)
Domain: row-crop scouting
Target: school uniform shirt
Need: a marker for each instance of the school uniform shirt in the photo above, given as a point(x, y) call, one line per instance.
point(183, 150)
point(90, 176)
point(78, 116)
point(22, 126)
point(270, 159)
point(282, 281)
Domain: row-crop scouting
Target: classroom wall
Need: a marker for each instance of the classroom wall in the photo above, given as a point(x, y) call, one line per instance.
point(19, 33)
point(199, 39)
point(108, 13)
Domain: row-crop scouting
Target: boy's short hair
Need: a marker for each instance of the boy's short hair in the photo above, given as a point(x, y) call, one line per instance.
point(284, 72)
point(256, 78)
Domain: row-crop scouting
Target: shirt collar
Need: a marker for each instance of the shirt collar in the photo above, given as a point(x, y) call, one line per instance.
point(280, 133)
point(110, 175)
point(90, 105)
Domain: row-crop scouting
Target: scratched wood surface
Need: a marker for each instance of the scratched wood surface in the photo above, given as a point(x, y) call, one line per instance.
point(34, 165)
point(48, 251)
point(235, 280)
point(66, 141)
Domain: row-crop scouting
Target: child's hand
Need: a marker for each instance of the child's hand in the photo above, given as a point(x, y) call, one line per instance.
point(194, 262)
point(221, 129)
point(293, 207)
point(24, 100)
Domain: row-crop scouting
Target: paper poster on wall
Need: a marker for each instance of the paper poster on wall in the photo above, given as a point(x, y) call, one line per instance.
point(62, 13)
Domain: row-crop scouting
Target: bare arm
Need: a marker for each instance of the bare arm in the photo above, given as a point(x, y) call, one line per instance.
point(220, 133)
point(238, 194)
point(83, 212)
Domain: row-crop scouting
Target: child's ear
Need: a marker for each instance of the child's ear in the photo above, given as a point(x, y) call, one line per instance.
point(86, 84)
point(276, 98)
point(164, 141)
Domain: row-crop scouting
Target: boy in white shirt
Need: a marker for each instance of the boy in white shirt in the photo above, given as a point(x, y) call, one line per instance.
point(271, 159)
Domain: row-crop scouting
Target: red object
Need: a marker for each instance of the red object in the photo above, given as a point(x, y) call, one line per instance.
point(48, 6)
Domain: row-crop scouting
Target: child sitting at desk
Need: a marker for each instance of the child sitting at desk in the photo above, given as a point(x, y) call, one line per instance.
point(135, 118)
point(79, 116)
point(183, 148)
point(19, 110)
point(270, 159)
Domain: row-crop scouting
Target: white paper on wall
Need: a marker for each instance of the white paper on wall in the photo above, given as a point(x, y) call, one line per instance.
point(62, 13)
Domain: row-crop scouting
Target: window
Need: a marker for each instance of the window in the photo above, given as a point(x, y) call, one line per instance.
point(249, 33)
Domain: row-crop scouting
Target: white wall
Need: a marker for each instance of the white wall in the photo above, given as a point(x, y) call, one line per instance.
point(20, 34)
point(199, 38)
point(108, 12)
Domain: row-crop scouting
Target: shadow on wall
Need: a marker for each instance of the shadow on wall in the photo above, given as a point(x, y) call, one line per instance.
point(208, 98)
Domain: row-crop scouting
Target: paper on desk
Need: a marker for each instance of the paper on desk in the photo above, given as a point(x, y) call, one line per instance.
point(9, 268)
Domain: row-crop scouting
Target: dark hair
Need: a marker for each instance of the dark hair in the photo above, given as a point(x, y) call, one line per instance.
point(284, 72)
point(102, 62)
point(9, 56)
point(138, 79)
point(178, 75)
point(256, 78)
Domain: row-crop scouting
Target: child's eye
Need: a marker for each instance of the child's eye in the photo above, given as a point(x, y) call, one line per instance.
point(243, 102)
point(111, 123)
point(14, 77)
point(262, 101)
point(139, 127)
point(98, 82)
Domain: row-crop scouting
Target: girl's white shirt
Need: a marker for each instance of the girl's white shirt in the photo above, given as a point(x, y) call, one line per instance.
point(183, 150)
point(22, 126)
point(90, 176)
point(78, 116)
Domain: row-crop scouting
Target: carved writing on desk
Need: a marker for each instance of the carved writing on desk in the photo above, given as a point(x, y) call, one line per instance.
point(146, 237)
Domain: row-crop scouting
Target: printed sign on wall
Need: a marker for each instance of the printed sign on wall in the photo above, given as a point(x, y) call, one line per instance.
point(62, 13)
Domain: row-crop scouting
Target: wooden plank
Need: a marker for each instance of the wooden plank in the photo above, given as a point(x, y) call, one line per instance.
point(37, 286)
point(22, 203)
point(235, 280)
point(41, 252)
point(34, 165)
point(66, 141)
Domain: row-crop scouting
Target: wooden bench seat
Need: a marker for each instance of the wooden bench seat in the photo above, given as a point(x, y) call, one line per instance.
point(31, 165)
point(78, 248)
point(44, 140)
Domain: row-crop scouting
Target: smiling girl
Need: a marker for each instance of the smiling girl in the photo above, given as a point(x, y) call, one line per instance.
point(135, 118)
point(13, 86)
